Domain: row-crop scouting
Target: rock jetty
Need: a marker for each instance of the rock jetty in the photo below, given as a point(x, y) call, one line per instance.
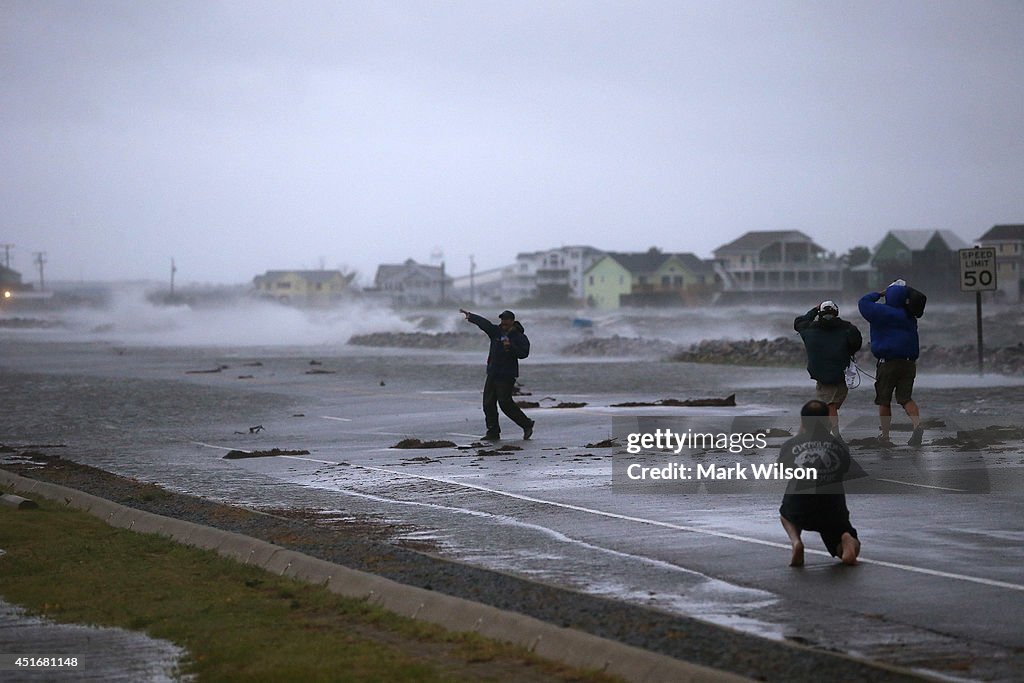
point(778, 352)
point(450, 341)
point(1006, 360)
point(620, 346)
point(789, 352)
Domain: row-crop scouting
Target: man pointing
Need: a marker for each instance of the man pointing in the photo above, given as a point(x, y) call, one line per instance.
point(509, 344)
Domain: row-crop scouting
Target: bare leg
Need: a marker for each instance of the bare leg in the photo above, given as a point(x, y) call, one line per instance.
point(913, 412)
point(851, 549)
point(833, 417)
point(885, 420)
point(793, 531)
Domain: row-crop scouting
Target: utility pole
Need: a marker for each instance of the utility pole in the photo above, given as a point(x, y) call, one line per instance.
point(40, 260)
point(442, 282)
point(173, 271)
point(981, 337)
point(472, 272)
point(7, 254)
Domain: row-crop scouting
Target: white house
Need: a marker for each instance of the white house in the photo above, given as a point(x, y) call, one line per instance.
point(1008, 241)
point(413, 284)
point(778, 261)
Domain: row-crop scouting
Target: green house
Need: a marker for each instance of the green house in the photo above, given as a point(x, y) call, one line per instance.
point(926, 259)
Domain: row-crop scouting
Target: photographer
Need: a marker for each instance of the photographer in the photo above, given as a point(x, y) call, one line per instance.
point(821, 508)
point(509, 344)
point(830, 342)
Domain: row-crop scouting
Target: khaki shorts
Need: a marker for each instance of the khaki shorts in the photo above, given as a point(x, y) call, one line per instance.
point(832, 393)
point(895, 375)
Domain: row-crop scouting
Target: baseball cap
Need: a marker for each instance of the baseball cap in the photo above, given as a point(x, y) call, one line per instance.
point(828, 306)
point(506, 315)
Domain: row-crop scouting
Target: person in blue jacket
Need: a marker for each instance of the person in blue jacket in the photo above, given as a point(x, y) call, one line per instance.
point(896, 345)
point(509, 344)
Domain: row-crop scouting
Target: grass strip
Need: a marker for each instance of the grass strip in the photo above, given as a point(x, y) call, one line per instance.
point(238, 622)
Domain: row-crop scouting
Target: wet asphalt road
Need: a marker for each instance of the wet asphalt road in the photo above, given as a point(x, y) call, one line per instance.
point(940, 587)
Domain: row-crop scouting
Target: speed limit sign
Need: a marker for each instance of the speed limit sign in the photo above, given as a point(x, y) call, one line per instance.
point(977, 270)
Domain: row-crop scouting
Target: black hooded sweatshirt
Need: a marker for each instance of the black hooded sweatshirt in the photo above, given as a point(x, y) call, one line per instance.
point(830, 344)
point(503, 363)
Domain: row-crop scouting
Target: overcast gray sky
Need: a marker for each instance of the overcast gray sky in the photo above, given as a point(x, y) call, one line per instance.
point(244, 136)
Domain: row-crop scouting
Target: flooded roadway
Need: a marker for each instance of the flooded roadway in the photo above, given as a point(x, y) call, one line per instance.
point(940, 585)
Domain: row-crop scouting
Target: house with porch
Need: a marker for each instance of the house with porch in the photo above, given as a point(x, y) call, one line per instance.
point(552, 276)
point(773, 263)
point(413, 284)
point(1008, 241)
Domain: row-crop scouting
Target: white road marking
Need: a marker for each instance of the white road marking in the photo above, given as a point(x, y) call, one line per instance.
point(371, 432)
point(923, 486)
point(668, 525)
point(339, 419)
point(449, 392)
point(544, 530)
point(468, 436)
point(223, 448)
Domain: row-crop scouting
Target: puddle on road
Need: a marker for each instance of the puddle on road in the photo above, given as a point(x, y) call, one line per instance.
point(104, 654)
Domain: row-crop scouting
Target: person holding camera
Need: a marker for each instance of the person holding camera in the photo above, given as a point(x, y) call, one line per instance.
point(830, 342)
point(896, 345)
point(819, 505)
point(509, 344)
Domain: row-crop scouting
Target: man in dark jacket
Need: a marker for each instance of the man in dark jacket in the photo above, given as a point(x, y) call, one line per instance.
point(509, 344)
point(830, 342)
point(896, 345)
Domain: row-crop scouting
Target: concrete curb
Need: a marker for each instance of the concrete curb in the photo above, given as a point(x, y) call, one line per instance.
point(556, 643)
point(565, 645)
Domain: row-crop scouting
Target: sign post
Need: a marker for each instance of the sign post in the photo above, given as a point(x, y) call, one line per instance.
point(978, 274)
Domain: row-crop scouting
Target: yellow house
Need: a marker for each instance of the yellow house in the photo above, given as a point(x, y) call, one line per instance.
point(312, 288)
point(651, 278)
point(605, 282)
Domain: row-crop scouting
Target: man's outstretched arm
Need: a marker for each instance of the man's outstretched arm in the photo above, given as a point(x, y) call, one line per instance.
point(483, 323)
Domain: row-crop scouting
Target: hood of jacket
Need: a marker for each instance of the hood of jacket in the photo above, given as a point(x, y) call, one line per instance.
point(893, 329)
point(896, 296)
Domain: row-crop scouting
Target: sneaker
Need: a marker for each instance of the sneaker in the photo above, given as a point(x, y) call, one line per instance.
point(915, 438)
point(491, 436)
point(528, 430)
point(885, 442)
